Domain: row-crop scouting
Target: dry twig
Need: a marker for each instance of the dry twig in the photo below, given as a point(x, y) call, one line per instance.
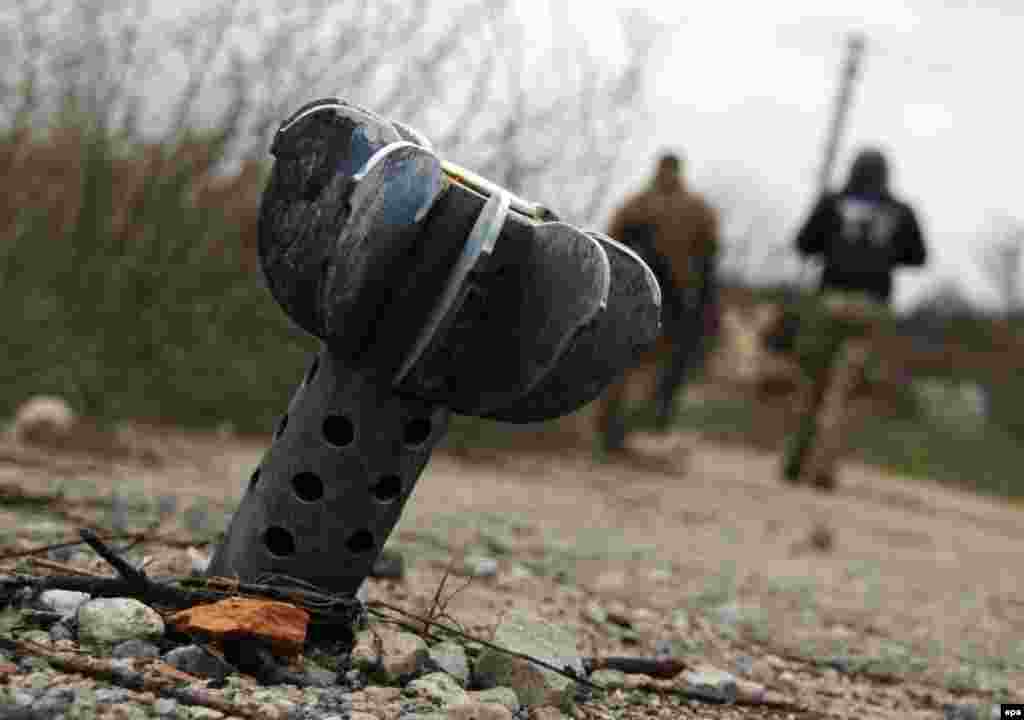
point(63, 567)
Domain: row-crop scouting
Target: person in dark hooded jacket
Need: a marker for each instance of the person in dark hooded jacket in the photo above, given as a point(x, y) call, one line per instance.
point(862, 234)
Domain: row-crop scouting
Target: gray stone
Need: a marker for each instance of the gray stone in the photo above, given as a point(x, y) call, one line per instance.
point(135, 648)
point(65, 602)
point(729, 614)
point(23, 697)
point(114, 620)
point(320, 677)
point(710, 684)
point(196, 518)
point(59, 554)
point(841, 663)
point(440, 688)
point(54, 701)
point(34, 664)
point(165, 706)
point(504, 696)
point(450, 657)
point(744, 665)
point(479, 566)
point(961, 711)
point(110, 696)
point(389, 653)
point(61, 631)
point(534, 685)
point(118, 512)
point(166, 505)
point(197, 661)
point(198, 561)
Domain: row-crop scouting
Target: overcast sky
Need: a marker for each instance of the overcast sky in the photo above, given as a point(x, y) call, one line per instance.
point(746, 88)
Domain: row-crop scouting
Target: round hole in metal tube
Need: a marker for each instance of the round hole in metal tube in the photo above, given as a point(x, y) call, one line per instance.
point(279, 541)
point(308, 487)
point(339, 431)
point(388, 488)
point(359, 542)
point(416, 431)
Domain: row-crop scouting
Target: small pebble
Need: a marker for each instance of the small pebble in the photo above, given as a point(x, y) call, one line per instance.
point(111, 696)
point(23, 698)
point(479, 566)
point(135, 649)
point(744, 665)
point(33, 664)
point(54, 701)
point(61, 631)
point(960, 711)
point(165, 706)
point(197, 661)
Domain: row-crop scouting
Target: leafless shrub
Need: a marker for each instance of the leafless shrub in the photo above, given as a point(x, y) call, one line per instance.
point(1000, 260)
point(550, 126)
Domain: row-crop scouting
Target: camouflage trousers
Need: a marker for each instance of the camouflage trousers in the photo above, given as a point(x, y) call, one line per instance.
point(834, 348)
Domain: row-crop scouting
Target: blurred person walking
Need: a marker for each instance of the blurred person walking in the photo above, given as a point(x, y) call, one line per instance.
point(676, 232)
point(862, 234)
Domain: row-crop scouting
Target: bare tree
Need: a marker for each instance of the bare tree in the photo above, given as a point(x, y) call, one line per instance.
point(555, 125)
point(757, 245)
point(1000, 261)
point(210, 86)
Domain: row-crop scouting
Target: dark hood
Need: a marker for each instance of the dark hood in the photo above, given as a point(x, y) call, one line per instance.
point(869, 174)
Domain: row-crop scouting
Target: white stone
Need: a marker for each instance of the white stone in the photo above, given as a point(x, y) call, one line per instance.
point(42, 418)
point(480, 566)
point(114, 620)
point(65, 602)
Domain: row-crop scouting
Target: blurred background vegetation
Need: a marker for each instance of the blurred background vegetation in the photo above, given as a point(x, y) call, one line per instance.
point(132, 156)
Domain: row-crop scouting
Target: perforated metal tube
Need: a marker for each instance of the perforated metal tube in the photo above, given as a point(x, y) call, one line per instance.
point(332, 485)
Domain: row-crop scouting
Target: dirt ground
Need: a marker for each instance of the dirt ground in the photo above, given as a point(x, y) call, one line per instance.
point(889, 598)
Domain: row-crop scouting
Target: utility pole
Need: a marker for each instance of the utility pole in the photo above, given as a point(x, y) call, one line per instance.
point(850, 69)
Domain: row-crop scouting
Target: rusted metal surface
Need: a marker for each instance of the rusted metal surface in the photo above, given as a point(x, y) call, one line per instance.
point(332, 485)
point(432, 290)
